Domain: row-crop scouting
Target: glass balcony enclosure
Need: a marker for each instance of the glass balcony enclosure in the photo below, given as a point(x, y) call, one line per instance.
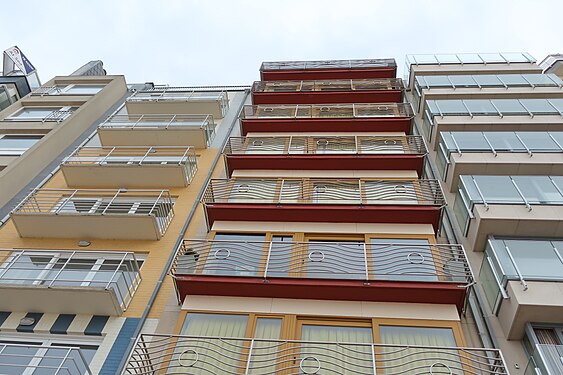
point(69, 89)
point(510, 190)
point(488, 107)
point(519, 259)
point(380, 259)
point(42, 114)
point(328, 64)
point(18, 358)
point(326, 111)
point(328, 85)
point(171, 93)
point(496, 142)
point(480, 81)
point(544, 344)
point(115, 271)
point(353, 354)
point(324, 145)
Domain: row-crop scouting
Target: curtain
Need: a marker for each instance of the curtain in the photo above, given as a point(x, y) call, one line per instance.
point(399, 360)
point(335, 352)
point(266, 355)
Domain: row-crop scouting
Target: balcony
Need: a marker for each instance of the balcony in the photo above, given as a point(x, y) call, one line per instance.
point(359, 271)
point(206, 354)
point(178, 100)
point(325, 153)
point(546, 360)
point(508, 206)
point(328, 69)
point(88, 213)
point(37, 359)
point(521, 279)
point(382, 117)
point(498, 153)
point(130, 167)
point(157, 130)
point(324, 200)
point(323, 92)
point(51, 281)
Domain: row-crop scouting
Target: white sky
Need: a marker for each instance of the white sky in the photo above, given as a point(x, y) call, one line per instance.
point(224, 41)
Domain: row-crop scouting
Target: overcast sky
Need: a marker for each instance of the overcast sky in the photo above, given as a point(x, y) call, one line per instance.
point(224, 41)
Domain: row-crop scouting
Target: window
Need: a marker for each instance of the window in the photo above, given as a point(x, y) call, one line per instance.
point(41, 356)
point(15, 145)
point(41, 114)
point(80, 89)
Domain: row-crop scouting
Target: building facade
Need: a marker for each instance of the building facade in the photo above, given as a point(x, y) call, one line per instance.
point(330, 218)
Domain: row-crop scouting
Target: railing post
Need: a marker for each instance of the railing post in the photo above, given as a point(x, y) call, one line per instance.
point(62, 204)
point(110, 202)
point(374, 367)
point(366, 265)
point(249, 357)
point(59, 368)
point(268, 259)
point(61, 270)
point(528, 205)
point(281, 191)
point(522, 281)
point(107, 156)
point(145, 155)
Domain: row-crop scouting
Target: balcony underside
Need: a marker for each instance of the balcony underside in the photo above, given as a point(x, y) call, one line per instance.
point(326, 162)
point(84, 226)
point(276, 125)
point(125, 176)
point(327, 97)
point(391, 214)
point(128, 136)
point(324, 289)
point(59, 299)
point(328, 74)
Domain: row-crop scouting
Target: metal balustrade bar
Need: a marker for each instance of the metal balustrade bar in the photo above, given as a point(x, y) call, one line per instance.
point(165, 93)
point(327, 64)
point(326, 145)
point(158, 121)
point(327, 111)
point(54, 360)
point(135, 156)
point(329, 85)
point(324, 191)
point(329, 260)
point(215, 355)
point(118, 271)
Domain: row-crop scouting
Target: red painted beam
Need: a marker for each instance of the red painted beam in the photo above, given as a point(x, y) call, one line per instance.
point(325, 213)
point(328, 74)
point(327, 162)
point(381, 124)
point(323, 289)
point(327, 97)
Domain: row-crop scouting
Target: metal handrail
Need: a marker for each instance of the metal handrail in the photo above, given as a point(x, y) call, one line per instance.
point(134, 156)
point(158, 121)
point(327, 64)
point(318, 259)
point(62, 268)
point(327, 111)
point(288, 145)
point(329, 85)
point(229, 356)
point(55, 360)
point(324, 191)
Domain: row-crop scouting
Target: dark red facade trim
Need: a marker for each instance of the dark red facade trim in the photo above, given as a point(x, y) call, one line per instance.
point(392, 214)
point(329, 74)
point(322, 289)
point(328, 97)
point(326, 125)
point(326, 162)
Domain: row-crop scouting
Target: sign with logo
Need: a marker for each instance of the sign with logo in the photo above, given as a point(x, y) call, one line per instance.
point(14, 59)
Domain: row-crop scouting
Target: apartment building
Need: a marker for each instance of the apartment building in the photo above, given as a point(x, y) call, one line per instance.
point(493, 126)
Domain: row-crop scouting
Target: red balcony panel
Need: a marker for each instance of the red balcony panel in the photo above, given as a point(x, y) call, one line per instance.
point(291, 125)
point(326, 97)
point(307, 74)
point(323, 289)
point(326, 162)
point(393, 214)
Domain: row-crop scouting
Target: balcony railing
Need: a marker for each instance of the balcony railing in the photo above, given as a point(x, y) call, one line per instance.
point(116, 271)
point(324, 191)
point(169, 93)
point(135, 156)
point(230, 356)
point(547, 360)
point(326, 145)
point(328, 64)
point(326, 111)
point(327, 260)
point(155, 203)
point(329, 85)
point(36, 359)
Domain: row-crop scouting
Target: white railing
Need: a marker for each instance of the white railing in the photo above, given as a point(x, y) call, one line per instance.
point(36, 359)
point(328, 64)
point(329, 85)
point(116, 271)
